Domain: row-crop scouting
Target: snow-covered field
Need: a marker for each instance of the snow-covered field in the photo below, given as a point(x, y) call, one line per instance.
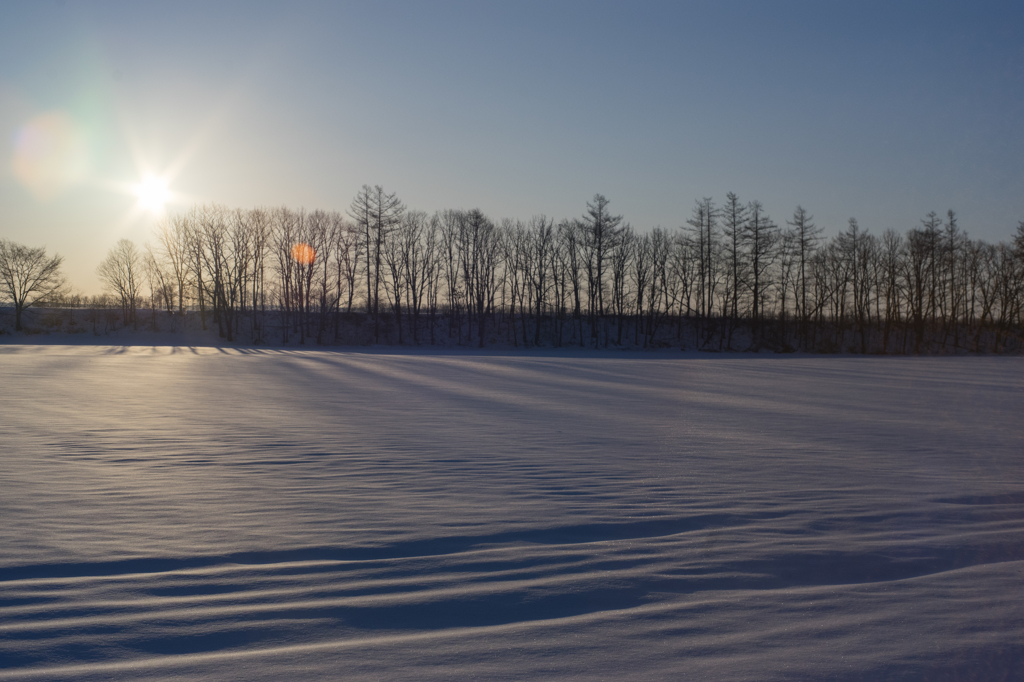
point(205, 513)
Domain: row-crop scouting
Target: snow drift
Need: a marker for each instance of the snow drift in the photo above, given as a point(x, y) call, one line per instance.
point(269, 514)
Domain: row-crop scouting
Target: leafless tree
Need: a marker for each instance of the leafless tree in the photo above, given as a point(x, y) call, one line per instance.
point(417, 248)
point(760, 236)
point(28, 276)
point(541, 244)
point(703, 222)
point(121, 272)
point(734, 218)
point(787, 279)
point(376, 213)
point(214, 247)
point(479, 254)
point(599, 231)
point(807, 235)
point(349, 260)
point(621, 255)
point(859, 250)
point(172, 254)
point(518, 269)
point(284, 238)
point(640, 275)
point(260, 234)
point(495, 281)
point(322, 286)
point(892, 254)
point(658, 287)
point(394, 280)
point(432, 271)
point(161, 284)
point(570, 255)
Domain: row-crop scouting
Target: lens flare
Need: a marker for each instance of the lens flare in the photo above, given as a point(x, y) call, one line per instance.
point(303, 253)
point(50, 154)
point(152, 193)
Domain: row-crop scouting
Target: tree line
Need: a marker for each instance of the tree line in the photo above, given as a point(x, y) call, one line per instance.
point(731, 278)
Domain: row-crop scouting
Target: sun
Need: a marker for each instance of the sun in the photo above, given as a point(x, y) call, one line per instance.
point(152, 193)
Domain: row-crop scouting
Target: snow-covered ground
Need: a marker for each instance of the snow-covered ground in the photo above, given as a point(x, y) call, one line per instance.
point(205, 513)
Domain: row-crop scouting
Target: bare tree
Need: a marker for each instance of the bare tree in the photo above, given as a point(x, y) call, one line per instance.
point(161, 286)
point(173, 255)
point(806, 233)
point(214, 250)
point(786, 278)
point(518, 269)
point(859, 250)
point(450, 222)
point(284, 238)
point(394, 285)
point(260, 225)
point(559, 292)
point(892, 254)
point(376, 214)
point(350, 250)
point(195, 246)
point(122, 272)
point(680, 278)
point(953, 245)
point(480, 250)
point(417, 262)
point(760, 235)
point(703, 221)
point(541, 244)
point(734, 217)
point(569, 251)
point(432, 270)
point(28, 276)
point(734, 265)
point(658, 287)
point(311, 260)
point(322, 292)
point(621, 255)
point(599, 232)
point(640, 275)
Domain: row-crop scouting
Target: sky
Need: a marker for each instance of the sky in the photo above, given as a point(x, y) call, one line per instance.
point(882, 111)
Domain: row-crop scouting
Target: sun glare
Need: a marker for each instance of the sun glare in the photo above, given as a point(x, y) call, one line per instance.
point(152, 193)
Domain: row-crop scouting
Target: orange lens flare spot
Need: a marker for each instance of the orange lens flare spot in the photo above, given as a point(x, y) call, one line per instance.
point(303, 254)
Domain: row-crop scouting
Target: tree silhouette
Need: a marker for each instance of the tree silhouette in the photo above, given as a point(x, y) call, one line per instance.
point(28, 275)
point(122, 272)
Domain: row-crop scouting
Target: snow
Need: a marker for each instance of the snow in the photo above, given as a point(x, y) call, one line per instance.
point(223, 513)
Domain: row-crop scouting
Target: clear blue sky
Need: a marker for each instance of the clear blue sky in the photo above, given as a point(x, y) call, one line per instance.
point(878, 110)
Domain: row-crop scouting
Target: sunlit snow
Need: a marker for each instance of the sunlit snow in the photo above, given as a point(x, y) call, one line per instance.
point(205, 513)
